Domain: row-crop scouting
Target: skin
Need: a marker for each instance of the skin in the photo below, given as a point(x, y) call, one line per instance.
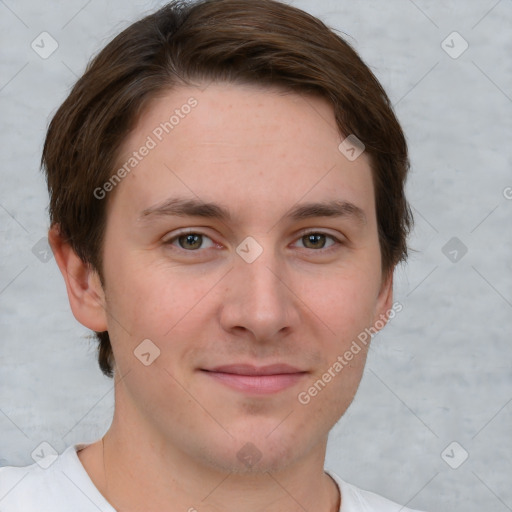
point(176, 431)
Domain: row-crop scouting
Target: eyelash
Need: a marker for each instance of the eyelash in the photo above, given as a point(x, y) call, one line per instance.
point(303, 234)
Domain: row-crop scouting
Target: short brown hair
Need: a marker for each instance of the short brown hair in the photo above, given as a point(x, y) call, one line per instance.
point(262, 42)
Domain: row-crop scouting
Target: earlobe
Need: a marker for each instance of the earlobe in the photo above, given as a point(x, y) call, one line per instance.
point(85, 293)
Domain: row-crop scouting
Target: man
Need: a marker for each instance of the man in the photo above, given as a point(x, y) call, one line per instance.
point(227, 208)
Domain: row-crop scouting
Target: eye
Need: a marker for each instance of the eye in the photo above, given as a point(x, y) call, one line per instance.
point(190, 241)
point(317, 240)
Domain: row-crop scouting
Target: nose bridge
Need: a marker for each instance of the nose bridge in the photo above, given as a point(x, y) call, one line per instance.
point(262, 281)
point(258, 300)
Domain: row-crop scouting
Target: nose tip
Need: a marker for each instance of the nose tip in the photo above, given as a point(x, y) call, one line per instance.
point(257, 300)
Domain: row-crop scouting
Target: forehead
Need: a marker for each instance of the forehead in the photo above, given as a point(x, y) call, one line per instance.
point(243, 146)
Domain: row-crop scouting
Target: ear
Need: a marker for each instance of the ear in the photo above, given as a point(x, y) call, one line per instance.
point(85, 293)
point(384, 302)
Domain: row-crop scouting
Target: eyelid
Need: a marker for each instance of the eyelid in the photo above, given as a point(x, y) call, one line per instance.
point(317, 231)
point(338, 240)
point(303, 232)
point(169, 239)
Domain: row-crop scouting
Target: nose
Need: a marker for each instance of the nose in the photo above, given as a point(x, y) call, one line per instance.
point(258, 299)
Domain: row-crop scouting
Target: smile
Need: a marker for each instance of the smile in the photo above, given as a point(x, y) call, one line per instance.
point(261, 381)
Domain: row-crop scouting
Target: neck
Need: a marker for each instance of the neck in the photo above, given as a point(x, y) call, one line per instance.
point(134, 476)
point(139, 467)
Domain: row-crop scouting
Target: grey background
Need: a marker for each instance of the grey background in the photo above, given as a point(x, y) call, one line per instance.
point(440, 372)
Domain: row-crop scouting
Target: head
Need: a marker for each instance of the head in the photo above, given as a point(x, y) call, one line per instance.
point(240, 106)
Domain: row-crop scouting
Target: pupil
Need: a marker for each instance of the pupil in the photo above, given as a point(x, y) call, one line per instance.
point(192, 241)
point(314, 239)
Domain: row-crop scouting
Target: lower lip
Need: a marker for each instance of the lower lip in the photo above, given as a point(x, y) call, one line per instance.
point(257, 384)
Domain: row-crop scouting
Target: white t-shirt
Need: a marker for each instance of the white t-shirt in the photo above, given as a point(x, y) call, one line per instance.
point(61, 484)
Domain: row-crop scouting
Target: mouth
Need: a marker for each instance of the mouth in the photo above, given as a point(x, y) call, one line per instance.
point(256, 380)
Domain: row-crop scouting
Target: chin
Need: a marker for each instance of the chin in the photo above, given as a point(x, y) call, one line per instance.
point(250, 460)
point(259, 453)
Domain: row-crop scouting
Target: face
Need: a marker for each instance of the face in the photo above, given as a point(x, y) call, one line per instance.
point(243, 245)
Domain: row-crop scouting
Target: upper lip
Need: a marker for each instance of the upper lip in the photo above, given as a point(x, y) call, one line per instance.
point(248, 369)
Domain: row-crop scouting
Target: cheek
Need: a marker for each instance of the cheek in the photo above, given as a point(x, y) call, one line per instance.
point(153, 302)
point(137, 297)
point(329, 393)
point(343, 302)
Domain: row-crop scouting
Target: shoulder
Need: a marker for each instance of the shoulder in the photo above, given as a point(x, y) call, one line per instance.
point(24, 488)
point(355, 499)
point(56, 484)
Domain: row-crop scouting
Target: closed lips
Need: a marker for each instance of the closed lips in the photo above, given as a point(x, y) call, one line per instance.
point(249, 370)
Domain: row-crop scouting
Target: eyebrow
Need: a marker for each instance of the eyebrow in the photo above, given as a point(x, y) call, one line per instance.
point(183, 207)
